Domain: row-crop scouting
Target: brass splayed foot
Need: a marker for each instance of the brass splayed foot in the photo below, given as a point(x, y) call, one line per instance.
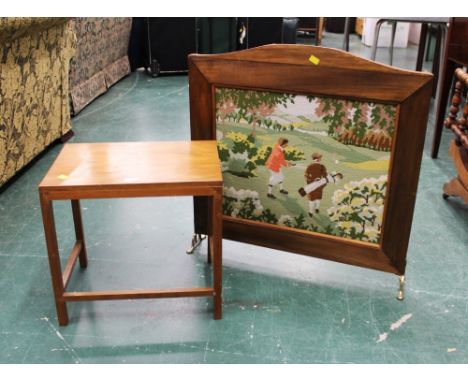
point(196, 241)
point(401, 293)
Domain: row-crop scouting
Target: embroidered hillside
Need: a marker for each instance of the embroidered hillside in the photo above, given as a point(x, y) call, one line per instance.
point(316, 164)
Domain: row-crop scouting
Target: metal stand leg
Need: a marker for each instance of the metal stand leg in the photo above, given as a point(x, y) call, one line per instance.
point(196, 241)
point(401, 293)
point(392, 41)
point(376, 39)
point(441, 65)
point(422, 47)
point(346, 34)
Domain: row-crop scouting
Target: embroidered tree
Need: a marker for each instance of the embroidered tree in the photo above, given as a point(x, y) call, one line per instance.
point(357, 123)
point(383, 126)
point(225, 110)
point(252, 105)
point(333, 111)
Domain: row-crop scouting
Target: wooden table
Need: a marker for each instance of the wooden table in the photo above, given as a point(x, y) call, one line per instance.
point(127, 170)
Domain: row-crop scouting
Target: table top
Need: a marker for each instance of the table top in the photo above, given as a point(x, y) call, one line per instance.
point(106, 165)
point(434, 20)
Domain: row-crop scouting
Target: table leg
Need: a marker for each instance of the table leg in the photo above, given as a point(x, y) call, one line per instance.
point(441, 54)
point(376, 39)
point(346, 34)
point(210, 232)
point(79, 233)
point(318, 30)
point(54, 259)
point(422, 47)
point(436, 60)
point(209, 254)
point(445, 82)
point(216, 252)
point(392, 41)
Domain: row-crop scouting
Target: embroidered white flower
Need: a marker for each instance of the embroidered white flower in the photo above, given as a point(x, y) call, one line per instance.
point(358, 208)
point(285, 220)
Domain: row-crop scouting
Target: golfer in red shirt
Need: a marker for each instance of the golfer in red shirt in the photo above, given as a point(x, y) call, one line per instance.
point(274, 163)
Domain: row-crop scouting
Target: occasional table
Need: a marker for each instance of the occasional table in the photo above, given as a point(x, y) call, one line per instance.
point(128, 170)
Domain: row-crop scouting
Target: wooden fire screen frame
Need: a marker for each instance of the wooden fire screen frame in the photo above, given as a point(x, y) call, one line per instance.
point(322, 72)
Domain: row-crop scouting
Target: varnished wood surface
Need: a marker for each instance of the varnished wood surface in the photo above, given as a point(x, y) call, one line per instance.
point(298, 55)
point(341, 75)
point(457, 47)
point(67, 272)
point(403, 178)
point(54, 258)
point(134, 164)
point(459, 126)
point(137, 294)
point(456, 55)
point(306, 243)
point(458, 186)
point(130, 169)
point(455, 187)
point(460, 160)
point(79, 232)
point(286, 68)
point(216, 252)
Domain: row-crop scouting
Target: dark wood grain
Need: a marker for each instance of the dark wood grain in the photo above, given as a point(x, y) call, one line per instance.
point(203, 127)
point(67, 272)
point(380, 86)
point(54, 258)
point(456, 56)
point(459, 126)
point(404, 176)
point(129, 170)
point(137, 294)
point(79, 232)
point(305, 243)
point(458, 186)
point(286, 68)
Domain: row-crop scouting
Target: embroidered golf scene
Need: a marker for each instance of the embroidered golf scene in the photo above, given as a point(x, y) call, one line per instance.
point(312, 163)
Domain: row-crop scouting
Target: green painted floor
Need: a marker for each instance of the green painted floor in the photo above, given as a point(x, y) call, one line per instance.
point(278, 307)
